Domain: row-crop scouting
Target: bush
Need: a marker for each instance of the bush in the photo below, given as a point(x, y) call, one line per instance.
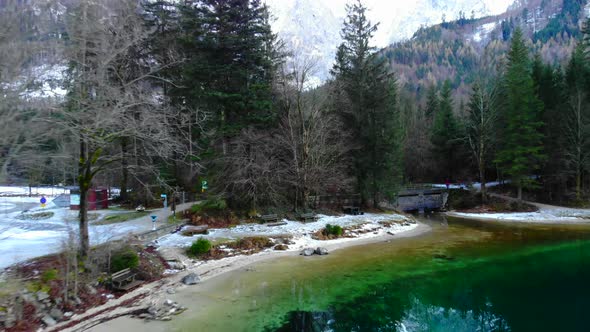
point(124, 259)
point(463, 199)
point(333, 230)
point(199, 247)
point(49, 275)
point(255, 242)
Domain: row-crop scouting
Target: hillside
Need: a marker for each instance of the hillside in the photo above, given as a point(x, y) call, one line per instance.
point(459, 50)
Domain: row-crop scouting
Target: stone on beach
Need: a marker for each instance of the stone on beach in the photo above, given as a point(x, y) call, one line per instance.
point(191, 279)
point(307, 252)
point(321, 251)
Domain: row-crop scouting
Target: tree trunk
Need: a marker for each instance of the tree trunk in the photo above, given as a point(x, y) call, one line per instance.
point(519, 195)
point(124, 170)
point(484, 198)
point(84, 183)
point(578, 184)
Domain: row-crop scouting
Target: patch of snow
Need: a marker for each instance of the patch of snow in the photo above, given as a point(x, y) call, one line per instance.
point(483, 31)
point(24, 191)
point(542, 216)
point(25, 239)
point(301, 232)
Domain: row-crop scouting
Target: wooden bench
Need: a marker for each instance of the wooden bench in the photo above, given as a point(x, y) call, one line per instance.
point(354, 210)
point(305, 217)
point(124, 280)
point(269, 218)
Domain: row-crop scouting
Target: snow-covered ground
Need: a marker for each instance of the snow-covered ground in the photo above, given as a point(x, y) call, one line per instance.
point(369, 226)
point(544, 215)
point(22, 239)
point(37, 191)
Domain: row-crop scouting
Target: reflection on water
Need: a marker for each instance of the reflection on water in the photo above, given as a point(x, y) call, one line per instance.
point(428, 318)
point(462, 276)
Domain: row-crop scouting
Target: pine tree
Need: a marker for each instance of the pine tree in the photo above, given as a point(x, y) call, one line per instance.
point(446, 136)
point(521, 151)
point(229, 67)
point(432, 102)
point(371, 112)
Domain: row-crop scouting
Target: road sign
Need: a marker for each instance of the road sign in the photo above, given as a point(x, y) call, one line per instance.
point(204, 185)
point(43, 200)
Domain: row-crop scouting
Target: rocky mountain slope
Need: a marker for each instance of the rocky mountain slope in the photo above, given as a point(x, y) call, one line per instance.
point(312, 28)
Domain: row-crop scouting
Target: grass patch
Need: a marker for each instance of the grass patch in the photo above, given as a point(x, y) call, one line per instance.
point(118, 218)
point(179, 218)
point(211, 205)
point(35, 215)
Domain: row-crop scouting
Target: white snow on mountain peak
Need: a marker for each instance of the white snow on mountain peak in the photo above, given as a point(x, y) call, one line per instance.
point(312, 27)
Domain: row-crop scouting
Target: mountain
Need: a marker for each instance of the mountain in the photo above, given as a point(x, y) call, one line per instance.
point(312, 28)
point(464, 49)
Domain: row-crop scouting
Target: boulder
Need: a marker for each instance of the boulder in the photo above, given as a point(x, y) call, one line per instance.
point(56, 314)
point(42, 296)
point(47, 320)
point(321, 251)
point(307, 252)
point(191, 279)
point(175, 265)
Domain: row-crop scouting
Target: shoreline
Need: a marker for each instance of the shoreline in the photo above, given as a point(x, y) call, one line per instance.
point(519, 218)
point(112, 316)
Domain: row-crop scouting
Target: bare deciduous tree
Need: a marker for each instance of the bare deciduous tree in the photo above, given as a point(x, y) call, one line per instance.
point(481, 125)
point(111, 97)
point(310, 135)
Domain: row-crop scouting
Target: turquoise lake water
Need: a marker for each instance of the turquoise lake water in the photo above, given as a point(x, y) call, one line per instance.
point(461, 276)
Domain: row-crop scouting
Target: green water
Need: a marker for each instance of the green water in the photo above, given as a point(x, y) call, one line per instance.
point(461, 276)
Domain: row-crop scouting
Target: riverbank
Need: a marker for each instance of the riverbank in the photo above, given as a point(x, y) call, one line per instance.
point(113, 315)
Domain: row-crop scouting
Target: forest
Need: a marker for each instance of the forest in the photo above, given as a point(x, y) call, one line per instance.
point(160, 96)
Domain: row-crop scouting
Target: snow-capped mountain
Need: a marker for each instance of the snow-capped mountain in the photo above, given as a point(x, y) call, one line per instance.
point(312, 27)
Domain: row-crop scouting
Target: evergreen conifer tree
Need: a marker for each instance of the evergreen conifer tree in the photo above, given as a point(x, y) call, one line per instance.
point(446, 136)
point(521, 152)
point(371, 114)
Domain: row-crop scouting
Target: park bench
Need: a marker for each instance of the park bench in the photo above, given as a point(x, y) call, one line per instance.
point(269, 218)
point(305, 217)
point(354, 210)
point(124, 280)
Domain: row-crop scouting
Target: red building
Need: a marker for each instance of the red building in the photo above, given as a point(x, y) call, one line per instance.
point(97, 199)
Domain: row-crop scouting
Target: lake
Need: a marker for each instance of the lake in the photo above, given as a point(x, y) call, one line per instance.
point(461, 276)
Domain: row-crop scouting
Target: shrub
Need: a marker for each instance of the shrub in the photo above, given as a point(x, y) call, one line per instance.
point(49, 275)
point(199, 247)
point(254, 242)
point(333, 230)
point(124, 259)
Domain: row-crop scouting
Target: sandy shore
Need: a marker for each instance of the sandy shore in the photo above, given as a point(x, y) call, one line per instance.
point(113, 316)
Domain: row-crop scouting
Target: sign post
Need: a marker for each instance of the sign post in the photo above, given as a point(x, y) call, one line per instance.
point(154, 222)
point(165, 200)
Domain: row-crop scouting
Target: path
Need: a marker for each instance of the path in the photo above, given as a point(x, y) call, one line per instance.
point(541, 206)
